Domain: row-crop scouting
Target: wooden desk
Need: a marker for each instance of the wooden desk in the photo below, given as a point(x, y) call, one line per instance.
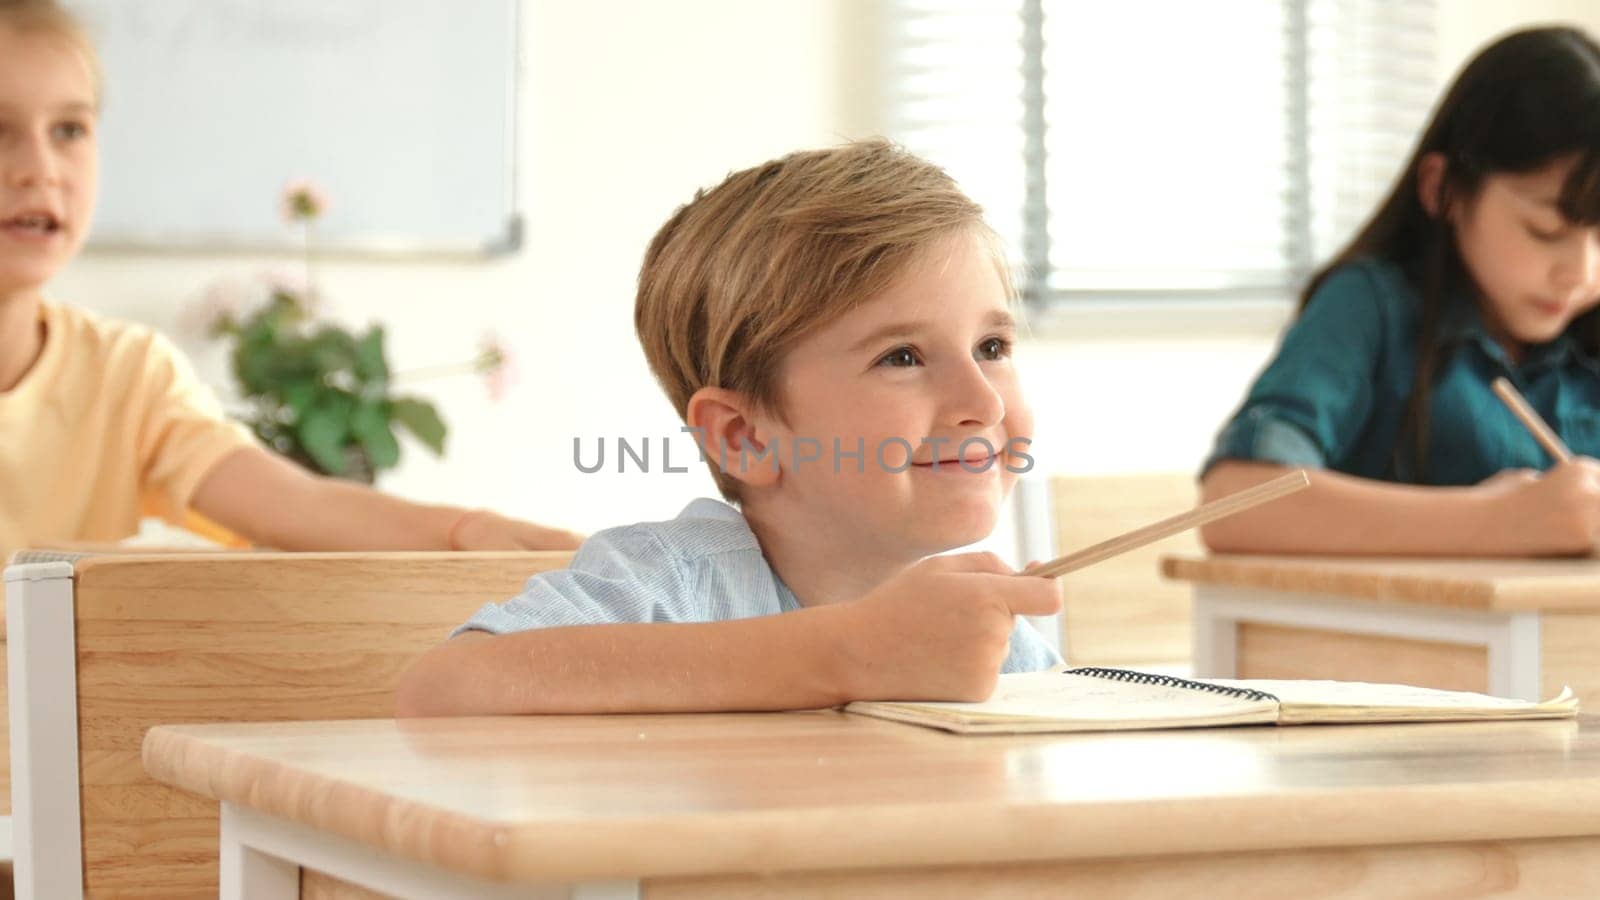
point(827, 804)
point(1516, 628)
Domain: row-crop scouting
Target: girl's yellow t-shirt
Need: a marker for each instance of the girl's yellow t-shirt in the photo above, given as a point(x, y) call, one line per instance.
point(110, 414)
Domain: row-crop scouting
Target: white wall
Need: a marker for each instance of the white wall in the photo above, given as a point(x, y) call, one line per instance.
point(1465, 25)
point(629, 106)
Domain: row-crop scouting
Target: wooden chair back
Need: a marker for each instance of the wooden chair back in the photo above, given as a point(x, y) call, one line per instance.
point(1121, 611)
point(229, 638)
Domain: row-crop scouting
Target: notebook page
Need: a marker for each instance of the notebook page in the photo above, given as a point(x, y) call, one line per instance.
point(1356, 701)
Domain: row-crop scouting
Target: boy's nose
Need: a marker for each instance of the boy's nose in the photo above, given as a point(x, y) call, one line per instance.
point(973, 398)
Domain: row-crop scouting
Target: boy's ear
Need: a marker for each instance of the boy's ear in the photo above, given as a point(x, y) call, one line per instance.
point(1430, 182)
point(729, 433)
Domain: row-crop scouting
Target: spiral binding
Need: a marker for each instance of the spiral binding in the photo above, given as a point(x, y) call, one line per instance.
point(1168, 681)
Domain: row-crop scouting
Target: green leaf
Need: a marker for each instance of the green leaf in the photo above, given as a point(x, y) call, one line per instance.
point(421, 419)
point(370, 364)
point(333, 349)
point(370, 424)
point(299, 395)
point(323, 432)
point(252, 365)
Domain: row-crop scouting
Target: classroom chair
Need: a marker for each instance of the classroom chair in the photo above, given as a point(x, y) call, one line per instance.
point(1121, 612)
point(104, 647)
point(152, 505)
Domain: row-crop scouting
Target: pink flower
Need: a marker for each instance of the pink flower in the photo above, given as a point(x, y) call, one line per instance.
point(497, 366)
point(292, 284)
point(220, 306)
point(302, 201)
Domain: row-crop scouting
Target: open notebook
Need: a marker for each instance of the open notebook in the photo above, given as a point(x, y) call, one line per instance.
point(1098, 699)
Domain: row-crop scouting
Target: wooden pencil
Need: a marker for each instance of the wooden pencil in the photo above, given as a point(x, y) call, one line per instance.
point(1541, 432)
point(1194, 518)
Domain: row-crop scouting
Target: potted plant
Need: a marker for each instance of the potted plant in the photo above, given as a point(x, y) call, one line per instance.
point(318, 392)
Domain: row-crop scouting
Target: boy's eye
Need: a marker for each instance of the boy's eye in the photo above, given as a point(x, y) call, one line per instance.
point(899, 357)
point(994, 348)
point(71, 131)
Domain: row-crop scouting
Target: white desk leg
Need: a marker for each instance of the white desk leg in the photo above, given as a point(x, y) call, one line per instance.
point(249, 874)
point(42, 681)
point(1514, 658)
point(1216, 635)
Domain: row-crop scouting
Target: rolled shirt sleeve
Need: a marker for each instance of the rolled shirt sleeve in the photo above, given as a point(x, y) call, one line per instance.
point(1314, 399)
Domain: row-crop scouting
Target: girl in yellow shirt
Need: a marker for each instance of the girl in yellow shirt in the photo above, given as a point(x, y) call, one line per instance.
point(96, 415)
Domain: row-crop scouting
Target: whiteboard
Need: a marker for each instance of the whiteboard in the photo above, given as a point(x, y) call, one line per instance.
point(403, 112)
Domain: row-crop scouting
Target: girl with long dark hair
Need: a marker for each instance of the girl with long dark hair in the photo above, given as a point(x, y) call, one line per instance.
point(1483, 261)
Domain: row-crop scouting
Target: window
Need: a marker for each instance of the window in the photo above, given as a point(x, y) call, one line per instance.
point(1161, 149)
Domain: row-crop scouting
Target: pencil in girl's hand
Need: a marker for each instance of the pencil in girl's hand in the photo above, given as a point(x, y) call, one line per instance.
point(1542, 433)
point(1194, 518)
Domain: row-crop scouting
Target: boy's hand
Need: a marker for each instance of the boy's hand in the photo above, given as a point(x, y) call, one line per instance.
point(1554, 513)
point(940, 630)
point(481, 529)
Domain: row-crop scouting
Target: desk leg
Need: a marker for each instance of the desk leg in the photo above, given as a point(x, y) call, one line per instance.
point(262, 857)
point(249, 874)
point(1215, 635)
point(1515, 668)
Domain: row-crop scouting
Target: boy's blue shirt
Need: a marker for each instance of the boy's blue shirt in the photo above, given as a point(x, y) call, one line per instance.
point(1335, 394)
point(703, 566)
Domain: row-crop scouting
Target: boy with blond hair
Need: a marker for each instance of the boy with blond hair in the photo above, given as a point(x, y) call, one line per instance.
point(835, 328)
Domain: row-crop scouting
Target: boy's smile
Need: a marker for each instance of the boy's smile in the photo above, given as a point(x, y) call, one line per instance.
point(48, 160)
